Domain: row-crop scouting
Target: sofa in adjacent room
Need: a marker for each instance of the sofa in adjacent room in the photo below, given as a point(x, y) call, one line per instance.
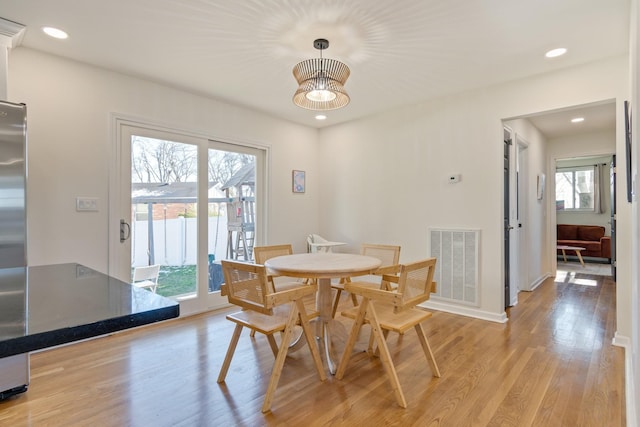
point(589, 237)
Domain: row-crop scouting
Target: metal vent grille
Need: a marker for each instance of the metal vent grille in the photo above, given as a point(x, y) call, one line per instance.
point(457, 267)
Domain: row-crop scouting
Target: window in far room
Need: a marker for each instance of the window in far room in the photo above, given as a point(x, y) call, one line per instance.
point(575, 189)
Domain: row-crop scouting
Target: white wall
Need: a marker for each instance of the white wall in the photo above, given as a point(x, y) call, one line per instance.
point(386, 176)
point(70, 147)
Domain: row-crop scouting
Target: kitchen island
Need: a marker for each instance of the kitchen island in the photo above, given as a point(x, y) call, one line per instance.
point(46, 306)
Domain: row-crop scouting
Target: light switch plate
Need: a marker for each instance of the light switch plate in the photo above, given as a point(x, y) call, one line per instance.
point(86, 204)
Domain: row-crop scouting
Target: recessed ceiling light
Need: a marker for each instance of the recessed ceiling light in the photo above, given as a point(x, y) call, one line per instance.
point(577, 120)
point(553, 53)
point(321, 117)
point(55, 32)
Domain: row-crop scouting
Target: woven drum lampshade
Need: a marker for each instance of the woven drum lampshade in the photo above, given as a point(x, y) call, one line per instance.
point(321, 82)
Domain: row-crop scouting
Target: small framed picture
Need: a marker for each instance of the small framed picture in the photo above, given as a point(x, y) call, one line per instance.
point(298, 178)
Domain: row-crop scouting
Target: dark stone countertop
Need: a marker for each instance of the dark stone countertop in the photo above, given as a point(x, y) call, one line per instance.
point(49, 305)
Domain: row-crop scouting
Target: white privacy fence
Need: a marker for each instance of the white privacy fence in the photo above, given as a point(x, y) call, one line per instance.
point(175, 240)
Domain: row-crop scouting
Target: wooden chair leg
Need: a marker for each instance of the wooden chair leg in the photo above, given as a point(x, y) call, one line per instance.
point(230, 351)
point(354, 300)
point(385, 357)
point(272, 344)
point(353, 337)
point(375, 352)
point(253, 333)
point(427, 350)
point(371, 344)
point(311, 342)
point(335, 303)
point(282, 354)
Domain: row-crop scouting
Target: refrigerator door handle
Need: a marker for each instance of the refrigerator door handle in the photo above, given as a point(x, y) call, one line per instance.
point(125, 230)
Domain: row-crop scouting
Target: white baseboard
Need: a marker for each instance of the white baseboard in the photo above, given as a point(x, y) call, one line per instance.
point(622, 341)
point(465, 311)
point(539, 281)
point(629, 387)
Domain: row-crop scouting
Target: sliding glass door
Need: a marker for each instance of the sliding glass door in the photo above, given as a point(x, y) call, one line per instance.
point(184, 203)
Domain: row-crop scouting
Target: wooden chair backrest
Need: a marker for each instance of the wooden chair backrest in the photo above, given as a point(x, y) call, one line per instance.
point(263, 253)
point(415, 283)
point(246, 285)
point(388, 254)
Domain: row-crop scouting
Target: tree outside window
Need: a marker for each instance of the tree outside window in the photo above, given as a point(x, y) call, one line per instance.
point(575, 188)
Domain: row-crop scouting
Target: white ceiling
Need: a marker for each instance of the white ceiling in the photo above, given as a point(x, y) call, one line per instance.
point(400, 52)
point(556, 124)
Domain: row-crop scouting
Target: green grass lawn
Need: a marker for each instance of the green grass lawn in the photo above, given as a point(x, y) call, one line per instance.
point(176, 280)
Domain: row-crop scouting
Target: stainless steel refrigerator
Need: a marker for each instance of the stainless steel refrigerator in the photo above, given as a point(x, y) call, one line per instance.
point(14, 370)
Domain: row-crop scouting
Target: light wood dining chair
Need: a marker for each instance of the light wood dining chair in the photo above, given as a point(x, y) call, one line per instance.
point(264, 253)
point(388, 254)
point(281, 283)
point(393, 310)
point(268, 312)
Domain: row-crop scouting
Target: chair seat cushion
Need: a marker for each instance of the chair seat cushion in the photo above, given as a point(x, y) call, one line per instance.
point(389, 320)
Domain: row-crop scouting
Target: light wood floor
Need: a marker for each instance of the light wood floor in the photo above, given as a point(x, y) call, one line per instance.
point(552, 364)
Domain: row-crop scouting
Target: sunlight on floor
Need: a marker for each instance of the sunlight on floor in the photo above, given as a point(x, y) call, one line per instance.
point(570, 277)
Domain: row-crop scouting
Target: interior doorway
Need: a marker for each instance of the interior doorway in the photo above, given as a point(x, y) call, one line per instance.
point(585, 197)
point(530, 224)
point(516, 184)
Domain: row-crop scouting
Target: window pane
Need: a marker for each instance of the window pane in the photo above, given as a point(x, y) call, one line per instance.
point(232, 199)
point(584, 189)
point(564, 189)
point(164, 226)
point(575, 189)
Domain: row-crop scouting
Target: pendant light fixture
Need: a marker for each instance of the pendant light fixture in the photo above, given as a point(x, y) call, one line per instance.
point(321, 82)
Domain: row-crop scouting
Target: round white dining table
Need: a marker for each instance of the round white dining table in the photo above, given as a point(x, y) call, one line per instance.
point(323, 266)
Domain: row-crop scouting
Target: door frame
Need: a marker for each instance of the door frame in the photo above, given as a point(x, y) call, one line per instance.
point(516, 195)
point(117, 266)
point(507, 155)
point(553, 217)
point(521, 277)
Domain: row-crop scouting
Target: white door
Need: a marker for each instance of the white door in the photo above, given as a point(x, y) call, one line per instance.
point(517, 219)
point(172, 197)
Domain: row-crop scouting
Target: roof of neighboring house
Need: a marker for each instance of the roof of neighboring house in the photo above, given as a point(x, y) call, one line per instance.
point(176, 192)
point(245, 176)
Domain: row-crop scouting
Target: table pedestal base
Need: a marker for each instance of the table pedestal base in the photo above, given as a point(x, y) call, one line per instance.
point(326, 326)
